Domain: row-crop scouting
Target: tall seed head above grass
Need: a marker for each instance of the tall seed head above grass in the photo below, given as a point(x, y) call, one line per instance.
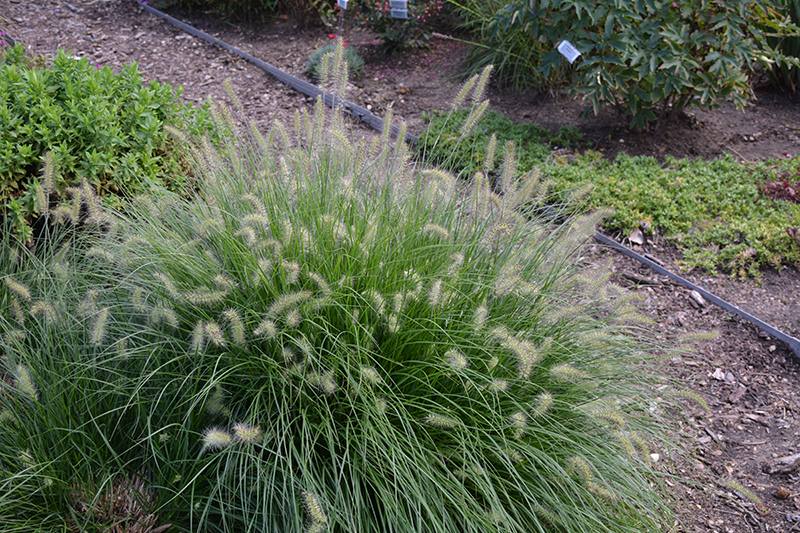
point(97, 333)
point(25, 382)
point(20, 290)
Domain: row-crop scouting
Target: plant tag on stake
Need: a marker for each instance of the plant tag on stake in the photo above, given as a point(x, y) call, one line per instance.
point(342, 3)
point(568, 51)
point(398, 9)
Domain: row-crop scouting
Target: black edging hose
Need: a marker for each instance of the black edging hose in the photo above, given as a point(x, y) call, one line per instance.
point(377, 123)
point(793, 343)
point(297, 84)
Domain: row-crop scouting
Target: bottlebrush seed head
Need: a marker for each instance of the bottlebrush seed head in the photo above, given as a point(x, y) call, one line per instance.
point(543, 404)
point(216, 439)
point(567, 373)
point(435, 294)
point(198, 337)
point(293, 318)
point(98, 332)
point(441, 421)
point(266, 329)
point(314, 508)
point(214, 334)
point(436, 230)
point(580, 466)
point(44, 308)
point(237, 328)
point(287, 301)
point(371, 375)
point(18, 288)
point(293, 271)
point(205, 298)
point(25, 382)
point(456, 360)
point(246, 434)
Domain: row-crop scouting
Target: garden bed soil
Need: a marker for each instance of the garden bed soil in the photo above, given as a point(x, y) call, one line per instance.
point(750, 381)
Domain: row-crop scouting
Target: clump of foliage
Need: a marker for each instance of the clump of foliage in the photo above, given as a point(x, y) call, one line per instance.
point(651, 59)
point(787, 74)
point(323, 340)
point(443, 141)
point(98, 126)
point(397, 33)
point(715, 212)
point(314, 65)
point(514, 54)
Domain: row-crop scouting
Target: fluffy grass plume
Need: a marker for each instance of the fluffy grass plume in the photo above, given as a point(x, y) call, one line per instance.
point(388, 384)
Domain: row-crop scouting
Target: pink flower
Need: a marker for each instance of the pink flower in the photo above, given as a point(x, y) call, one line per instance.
point(331, 36)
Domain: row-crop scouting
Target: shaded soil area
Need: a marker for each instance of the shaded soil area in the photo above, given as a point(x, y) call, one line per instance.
point(749, 380)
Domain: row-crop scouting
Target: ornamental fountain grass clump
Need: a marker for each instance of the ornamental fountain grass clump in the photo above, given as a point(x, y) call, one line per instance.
point(323, 338)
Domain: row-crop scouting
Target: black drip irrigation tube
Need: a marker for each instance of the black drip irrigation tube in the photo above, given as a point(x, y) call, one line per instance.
point(295, 83)
point(793, 343)
point(377, 123)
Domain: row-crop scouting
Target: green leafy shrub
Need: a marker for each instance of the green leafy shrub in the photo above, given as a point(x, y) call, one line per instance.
point(515, 54)
point(786, 73)
point(314, 67)
point(651, 59)
point(412, 32)
point(106, 128)
point(715, 212)
point(321, 340)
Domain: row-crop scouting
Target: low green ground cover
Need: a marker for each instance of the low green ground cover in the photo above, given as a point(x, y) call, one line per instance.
point(716, 212)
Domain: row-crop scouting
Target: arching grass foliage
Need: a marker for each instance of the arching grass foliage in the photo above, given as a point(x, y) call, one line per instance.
point(324, 338)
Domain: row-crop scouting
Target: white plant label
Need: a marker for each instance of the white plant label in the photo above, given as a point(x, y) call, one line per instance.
point(568, 51)
point(342, 3)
